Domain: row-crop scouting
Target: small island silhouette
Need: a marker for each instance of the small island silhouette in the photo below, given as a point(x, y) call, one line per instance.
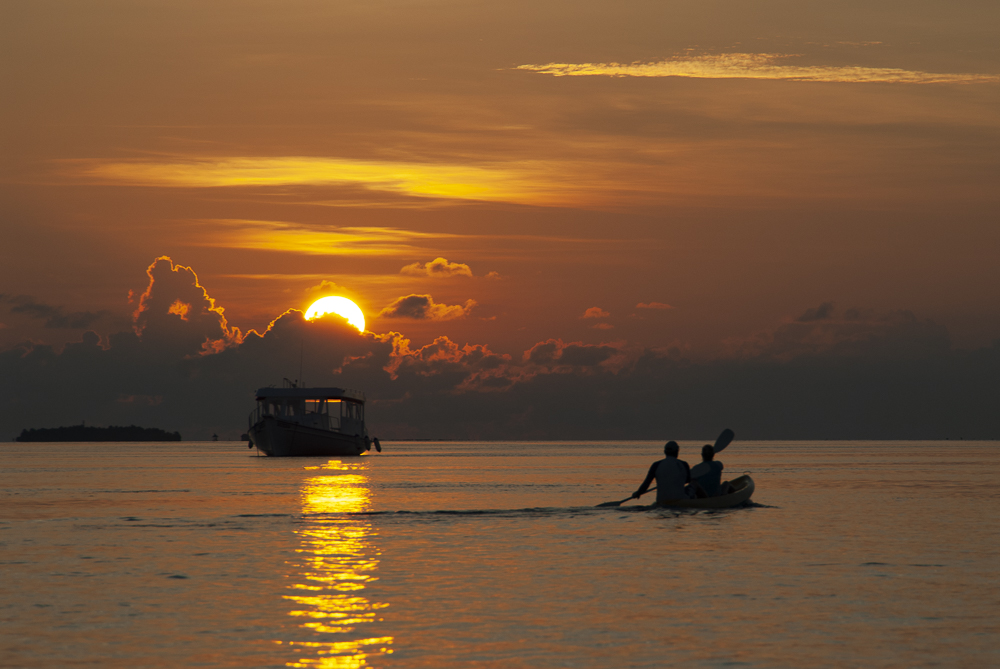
point(83, 432)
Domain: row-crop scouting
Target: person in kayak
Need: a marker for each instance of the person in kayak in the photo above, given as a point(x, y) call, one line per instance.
point(706, 477)
point(672, 476)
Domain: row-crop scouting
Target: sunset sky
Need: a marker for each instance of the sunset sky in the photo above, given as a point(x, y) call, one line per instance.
point(686, 196)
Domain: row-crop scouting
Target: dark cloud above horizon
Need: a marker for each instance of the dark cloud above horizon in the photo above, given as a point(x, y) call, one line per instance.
point(822, 312)
point(846, 375)
point(53, 317)
point(852, 334)
point(423, 307)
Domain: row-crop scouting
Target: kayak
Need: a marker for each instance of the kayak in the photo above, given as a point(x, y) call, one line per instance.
point(744, 489)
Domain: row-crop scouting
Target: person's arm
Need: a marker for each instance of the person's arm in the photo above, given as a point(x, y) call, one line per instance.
point(645, 484)
point(687, 471)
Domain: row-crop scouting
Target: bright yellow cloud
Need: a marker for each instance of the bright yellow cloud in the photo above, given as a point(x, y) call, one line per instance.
point(297, 238)
point(754, 66)
point(520, 182)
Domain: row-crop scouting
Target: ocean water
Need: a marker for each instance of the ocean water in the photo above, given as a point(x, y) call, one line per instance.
point(874, 554)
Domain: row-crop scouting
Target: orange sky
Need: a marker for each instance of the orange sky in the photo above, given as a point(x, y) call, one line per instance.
point(741, 163)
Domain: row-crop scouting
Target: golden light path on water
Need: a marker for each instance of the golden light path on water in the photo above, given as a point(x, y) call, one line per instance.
point(338, 560)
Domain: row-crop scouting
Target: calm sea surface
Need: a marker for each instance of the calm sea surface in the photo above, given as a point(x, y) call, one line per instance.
point(874, 554)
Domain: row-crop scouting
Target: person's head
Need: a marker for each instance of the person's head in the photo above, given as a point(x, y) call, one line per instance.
point(671, 449)
point(707, 453)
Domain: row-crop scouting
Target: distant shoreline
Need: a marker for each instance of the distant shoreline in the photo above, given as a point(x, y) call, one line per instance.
point(89, 433)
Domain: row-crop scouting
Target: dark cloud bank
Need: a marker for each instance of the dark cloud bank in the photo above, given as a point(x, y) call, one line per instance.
point(53, 317)
point(826, 375)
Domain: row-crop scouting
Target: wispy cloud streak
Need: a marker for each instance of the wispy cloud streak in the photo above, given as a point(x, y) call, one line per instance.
point(755, 66)
point(312, 239)
point(508, 182)
point(298, 238)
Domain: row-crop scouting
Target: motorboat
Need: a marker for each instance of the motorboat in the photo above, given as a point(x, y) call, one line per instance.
point(295, 421)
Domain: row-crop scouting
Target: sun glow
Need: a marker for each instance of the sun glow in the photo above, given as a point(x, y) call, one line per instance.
point(340, 306)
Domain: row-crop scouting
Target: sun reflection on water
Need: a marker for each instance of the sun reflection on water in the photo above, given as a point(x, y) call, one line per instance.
point(338, 559)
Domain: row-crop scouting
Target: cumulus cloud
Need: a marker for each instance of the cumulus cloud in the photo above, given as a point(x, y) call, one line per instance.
point(653, 305)
point(424, 308)
point(54, 317)
point(324, 287)
point(468, 367)
point(554, 355)
point(439, 268)
point(755, 66)
point(595, 312)
point(831, 374)
point(177, 310)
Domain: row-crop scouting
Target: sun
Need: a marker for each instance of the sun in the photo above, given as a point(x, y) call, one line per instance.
point(340, 306)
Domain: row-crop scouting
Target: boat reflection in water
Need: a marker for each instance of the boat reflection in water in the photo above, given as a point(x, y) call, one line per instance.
point(338, 560)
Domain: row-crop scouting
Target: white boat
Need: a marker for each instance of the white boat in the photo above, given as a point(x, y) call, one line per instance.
point(310, 422)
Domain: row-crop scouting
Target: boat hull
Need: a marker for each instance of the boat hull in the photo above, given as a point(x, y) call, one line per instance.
point(279, 438)
point(744, 489)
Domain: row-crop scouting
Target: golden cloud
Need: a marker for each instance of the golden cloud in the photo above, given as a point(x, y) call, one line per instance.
point(298, 238)
point(423, 307)
point(595, 312)
point(439, 268)
point(179, 308)
point(755, 66)
point(519, 182)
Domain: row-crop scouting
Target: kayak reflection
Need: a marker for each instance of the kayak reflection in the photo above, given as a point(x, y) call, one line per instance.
point(338, 559)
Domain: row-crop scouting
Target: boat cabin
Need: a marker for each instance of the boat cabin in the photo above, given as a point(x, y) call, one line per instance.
point(332, 409)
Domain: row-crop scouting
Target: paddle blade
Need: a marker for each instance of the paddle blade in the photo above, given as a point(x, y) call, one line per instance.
point(724, 439)
point(614, 503)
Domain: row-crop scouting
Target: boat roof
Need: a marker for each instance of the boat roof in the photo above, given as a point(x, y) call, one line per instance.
point(312, 394)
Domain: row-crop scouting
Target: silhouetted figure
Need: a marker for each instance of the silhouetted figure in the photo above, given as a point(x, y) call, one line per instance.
point(672, 476)
point(706, 476)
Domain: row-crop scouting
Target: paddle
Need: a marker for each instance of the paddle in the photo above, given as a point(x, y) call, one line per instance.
point(724, 440)
point(624, 500)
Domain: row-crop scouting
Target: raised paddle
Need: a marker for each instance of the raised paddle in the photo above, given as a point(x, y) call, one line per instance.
point(724, 440)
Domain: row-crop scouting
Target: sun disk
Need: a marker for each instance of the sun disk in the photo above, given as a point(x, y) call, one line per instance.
point(340, 306)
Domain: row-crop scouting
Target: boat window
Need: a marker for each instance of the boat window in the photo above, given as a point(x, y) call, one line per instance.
point(352, 411)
